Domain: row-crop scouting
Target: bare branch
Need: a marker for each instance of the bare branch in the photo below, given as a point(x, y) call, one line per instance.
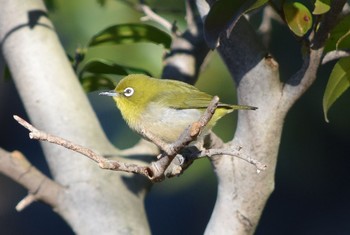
point(184, 161)
point(151, 15)
point(302, 79)
point(29, 199)
point(346, 9)
point(236, 153)
point(103, 162)
point(335, 55)
point(156, 170)
point(40, 187)
point(188, 50)
point(265, 27)
point(74, 120)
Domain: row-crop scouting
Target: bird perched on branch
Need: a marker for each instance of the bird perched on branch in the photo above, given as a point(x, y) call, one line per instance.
point(164, 108)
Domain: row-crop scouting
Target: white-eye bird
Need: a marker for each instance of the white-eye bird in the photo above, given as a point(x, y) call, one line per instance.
point(165, 108)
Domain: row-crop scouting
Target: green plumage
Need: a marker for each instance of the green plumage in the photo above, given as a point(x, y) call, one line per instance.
point(164, 107)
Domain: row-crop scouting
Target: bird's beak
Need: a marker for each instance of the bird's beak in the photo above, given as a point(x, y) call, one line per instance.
point(109, 93)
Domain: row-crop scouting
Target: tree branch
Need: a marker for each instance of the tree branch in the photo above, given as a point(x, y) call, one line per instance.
point(302, 79)
point(236, 152)
point(188, 50)
point(335, 55)
point(327, 24)
point(258, 84)
point(151, 15)
point(55, 102)
point(40, 187)
point(102, 161)
point(257, 78)
point(156, 170)
point(265, 28)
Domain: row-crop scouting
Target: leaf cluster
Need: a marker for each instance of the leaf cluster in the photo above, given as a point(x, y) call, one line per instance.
point(94, 74)
point(303, 19)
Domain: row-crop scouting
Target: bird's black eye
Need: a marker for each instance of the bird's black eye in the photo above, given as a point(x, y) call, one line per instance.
point(128, 91)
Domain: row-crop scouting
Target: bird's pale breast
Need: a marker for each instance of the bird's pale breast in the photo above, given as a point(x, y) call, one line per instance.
point(168, 123)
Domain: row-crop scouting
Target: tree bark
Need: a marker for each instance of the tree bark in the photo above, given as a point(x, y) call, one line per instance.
point(242, 193)
point(94, 201)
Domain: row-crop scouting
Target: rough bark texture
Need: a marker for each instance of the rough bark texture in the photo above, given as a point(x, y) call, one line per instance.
point(94, 201)
point(257, 132)
point(242, 193)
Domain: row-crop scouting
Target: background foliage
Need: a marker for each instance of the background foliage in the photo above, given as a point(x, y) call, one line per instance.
point(311, 195)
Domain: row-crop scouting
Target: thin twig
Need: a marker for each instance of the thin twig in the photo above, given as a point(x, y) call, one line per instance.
point(184, 60)
point(236, 153)
point(156, 170)
point(151, 15)
point(26, 201)
point(103, 162)
point(265, 28)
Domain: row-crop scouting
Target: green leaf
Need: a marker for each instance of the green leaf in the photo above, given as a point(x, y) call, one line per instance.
point(101, 66)
point(338, 83)
point(223, 16)
point(298, 17)
point(257, 4)
point(321, 7)
point(130, 33)
point(97, 82)
point(339, 36)
point(92, 75)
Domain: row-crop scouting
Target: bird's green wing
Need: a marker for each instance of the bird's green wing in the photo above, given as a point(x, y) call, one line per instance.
point(184, 97)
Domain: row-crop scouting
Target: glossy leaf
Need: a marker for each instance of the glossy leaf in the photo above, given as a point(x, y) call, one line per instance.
point(130, 33)
point(223, 16)
point(109, 67)
point(100, 66)
point(298, 17)
point(340, 36)
point(256, 4)
point(97, 82)
point(321, 7)
point(338, 83)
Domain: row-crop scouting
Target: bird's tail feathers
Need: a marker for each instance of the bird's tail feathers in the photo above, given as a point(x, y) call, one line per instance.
point(244, 107)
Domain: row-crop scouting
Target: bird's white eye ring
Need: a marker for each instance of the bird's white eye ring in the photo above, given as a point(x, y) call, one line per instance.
point(128, 91)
